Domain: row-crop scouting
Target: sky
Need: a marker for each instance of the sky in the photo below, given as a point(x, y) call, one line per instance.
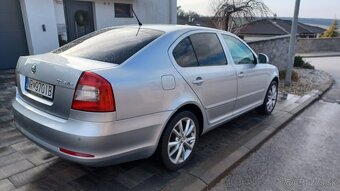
point(283, 8)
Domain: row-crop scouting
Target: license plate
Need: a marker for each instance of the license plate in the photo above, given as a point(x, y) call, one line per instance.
point(39, 88)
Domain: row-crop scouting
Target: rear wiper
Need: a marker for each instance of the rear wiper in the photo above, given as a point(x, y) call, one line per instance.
point(139, 23)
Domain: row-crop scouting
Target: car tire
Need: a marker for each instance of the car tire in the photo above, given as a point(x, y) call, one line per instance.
point(270, 100)
point(178, 146)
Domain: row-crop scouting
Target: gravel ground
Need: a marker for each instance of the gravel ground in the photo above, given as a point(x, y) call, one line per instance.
point(308, 80)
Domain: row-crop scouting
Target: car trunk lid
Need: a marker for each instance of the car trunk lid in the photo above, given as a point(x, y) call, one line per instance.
point(40, 72)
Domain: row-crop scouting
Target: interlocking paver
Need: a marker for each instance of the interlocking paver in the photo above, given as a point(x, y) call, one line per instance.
point(33, 153)
point(67, 175)
point(5, 184)
point(6, 126)
point(36, 169)
point(11, 158)
point(6, 118)
point(30, 175)
point(6, 150)
point(11, 137)
point(38, 172)
point(133, 177)
point(89, 183)
point(43, 184)
point(13, 168)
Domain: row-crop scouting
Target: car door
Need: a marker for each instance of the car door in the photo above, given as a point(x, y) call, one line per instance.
point(201, 60)
point(251, 77)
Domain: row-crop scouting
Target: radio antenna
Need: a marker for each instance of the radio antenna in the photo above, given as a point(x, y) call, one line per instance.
point(139, 23)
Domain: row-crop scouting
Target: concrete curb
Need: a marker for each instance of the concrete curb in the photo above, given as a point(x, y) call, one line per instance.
point(208, 173)
point(319, 55)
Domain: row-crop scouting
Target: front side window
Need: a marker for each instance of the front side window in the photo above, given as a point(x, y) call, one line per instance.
point(113, 45)
point(239, 51)
point(123, 10)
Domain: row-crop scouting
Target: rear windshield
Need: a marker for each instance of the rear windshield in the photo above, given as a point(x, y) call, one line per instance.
point(114, 45)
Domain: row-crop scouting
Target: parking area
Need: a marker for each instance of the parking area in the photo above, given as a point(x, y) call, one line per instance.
point(25, 166)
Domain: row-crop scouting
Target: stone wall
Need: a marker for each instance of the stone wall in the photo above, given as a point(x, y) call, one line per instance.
point(276, 48)
point(318, 45)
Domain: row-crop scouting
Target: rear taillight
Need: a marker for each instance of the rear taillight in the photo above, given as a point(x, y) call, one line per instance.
point(93, 93)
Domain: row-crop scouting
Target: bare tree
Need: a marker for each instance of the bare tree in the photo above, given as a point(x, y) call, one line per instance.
point(189, 16)
point(230, 14)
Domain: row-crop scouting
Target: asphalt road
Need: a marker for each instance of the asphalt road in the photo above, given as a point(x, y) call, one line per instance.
point(304, 155)
point(332, 66)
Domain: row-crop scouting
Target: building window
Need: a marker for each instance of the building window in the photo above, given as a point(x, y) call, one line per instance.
point(123, 10)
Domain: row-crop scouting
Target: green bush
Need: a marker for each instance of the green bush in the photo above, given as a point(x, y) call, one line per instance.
point(295, 76)
point(300, 63)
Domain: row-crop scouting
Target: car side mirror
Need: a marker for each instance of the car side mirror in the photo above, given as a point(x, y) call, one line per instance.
point(263, 59)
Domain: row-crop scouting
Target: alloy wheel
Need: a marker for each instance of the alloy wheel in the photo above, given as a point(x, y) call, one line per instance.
point(182, 140)
point(271, 98)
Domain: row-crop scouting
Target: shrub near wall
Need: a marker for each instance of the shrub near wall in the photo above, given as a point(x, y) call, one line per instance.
point(276, 48)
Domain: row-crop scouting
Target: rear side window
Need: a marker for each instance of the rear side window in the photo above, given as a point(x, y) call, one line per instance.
point(113, 45)
point(184, 54)
point(208, 49)
point(202, 49)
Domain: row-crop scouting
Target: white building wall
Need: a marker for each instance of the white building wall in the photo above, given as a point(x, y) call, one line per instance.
point(148, 12)
point(173, 11)
point(59, 11)
point(153, 11)
point(37, 13)
point(104, 15)
point(60, 19)
point(51, 14)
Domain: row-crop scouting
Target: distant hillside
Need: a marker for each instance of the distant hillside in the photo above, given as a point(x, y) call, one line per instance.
point(206, 21)
point(324, 23)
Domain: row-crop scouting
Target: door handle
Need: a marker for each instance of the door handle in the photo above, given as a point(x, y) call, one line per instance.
point(199, 81)
point(241, 75)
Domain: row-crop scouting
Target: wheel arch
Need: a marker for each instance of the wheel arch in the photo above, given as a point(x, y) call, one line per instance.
point(189, 106)
point(276, 79)
point(194, 109)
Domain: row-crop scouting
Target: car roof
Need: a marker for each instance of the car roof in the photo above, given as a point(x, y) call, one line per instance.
point(173, 28)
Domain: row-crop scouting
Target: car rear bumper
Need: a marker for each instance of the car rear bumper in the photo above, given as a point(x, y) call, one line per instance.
point(110, 142)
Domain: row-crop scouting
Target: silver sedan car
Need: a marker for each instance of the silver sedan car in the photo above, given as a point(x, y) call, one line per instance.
point(123, 93)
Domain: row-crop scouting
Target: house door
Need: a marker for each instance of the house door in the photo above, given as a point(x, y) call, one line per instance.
point(79, 18)
point(13, 41)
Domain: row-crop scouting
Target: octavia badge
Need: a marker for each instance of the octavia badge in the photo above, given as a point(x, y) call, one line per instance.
point(34, 68)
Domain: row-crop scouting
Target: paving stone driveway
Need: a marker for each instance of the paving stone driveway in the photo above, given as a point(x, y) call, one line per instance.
point(24, 166)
